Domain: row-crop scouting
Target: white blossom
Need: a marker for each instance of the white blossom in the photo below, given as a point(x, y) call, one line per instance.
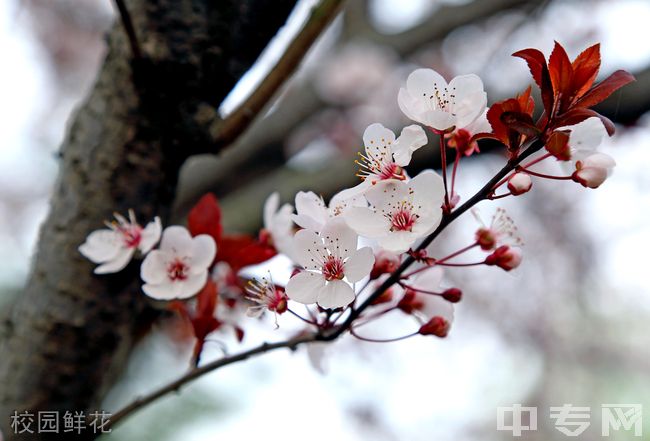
point(400, 212)
point(179, 268)
point(429, 100)
point(313, 213)
point(113, 247)
point(331, 264)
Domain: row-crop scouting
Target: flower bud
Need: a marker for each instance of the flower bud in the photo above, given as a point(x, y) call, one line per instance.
point(410, 302)
point(385, 263)
point(437, 326)
point(384, 297)
point(592, 171)
point(505, 257)
point(519, 183)
point(452, 295)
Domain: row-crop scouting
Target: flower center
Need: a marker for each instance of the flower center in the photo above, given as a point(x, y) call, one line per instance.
point(378, 166)
point(403, 220)
point(177, 270)
point(333, 268)
point(131, 235)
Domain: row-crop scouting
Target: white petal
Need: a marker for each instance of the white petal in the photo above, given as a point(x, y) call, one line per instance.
point(305, 286)
point(340, 239)
point(424, 83)
point(385, 192)
point(163, 291)
point(255, 311)
point(150, 235)
point(154, 267)
point(377, 139)
point(343, 200)
point(470, 99)
point(367, 222)
point(176, 239)
point(270, 207)
point(428, 189)
point(412, 138)
point(203, 252)
point(359, 264)
point(101, 245)
point(480, 124)
point(336, 294)
point(307, 222)
point(117, 263)
point(308, 204)
point(192, 285)
point(397, 241)
point(308, 249)
point(439, 120)
point(411, 106)
point(587, 135)
point(600, 160)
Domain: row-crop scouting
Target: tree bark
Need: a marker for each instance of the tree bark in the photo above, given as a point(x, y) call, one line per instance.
point(70, 332)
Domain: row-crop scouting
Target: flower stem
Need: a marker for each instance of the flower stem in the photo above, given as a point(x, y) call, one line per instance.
point(388, 340)
point(443, 160)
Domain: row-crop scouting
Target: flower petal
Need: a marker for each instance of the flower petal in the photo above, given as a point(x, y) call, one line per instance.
point(359, 264)
point(397, 241)
point(270, 207)
point(367, 222)
point(309, 205)
point(378, 140)
point(305, 286)
point(308, 249)
point(176, 239)
point(150, 235)
point(117, 263)
point(101, 246)
point(202, 253)
point(336, 294)
point(154, 267)
point(428, 189)
point(192, 285)
point(412, 138)
point(340, 239)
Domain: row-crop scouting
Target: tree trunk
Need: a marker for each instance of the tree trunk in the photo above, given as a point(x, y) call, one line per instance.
point(70, 332)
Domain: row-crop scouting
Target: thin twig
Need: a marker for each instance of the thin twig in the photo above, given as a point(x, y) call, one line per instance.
point(199, 371)
point(129, 29)
point(233, 125)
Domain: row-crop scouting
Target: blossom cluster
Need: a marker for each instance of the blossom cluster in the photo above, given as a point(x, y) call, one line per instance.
point(350, 255)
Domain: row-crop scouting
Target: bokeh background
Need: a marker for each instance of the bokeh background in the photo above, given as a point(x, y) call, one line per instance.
point(570, 326)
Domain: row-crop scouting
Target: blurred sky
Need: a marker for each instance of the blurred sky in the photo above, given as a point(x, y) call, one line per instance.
point(420, 389)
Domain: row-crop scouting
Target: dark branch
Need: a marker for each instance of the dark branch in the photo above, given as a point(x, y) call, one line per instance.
point(127, 23)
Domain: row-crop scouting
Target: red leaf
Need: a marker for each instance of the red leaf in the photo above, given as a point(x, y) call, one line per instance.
point(520, 122)
point(558, 145)
point(538, 68)
point(579, 114)
point(585, 70)
point(605, 88)
point(205, 217)
point(561, 72)
point(206, 300)
point(242, 250)
point(536, 63)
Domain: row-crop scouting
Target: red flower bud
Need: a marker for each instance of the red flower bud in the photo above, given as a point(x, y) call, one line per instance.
point(452, 295)
point(519, 183)
point(486, 238)
point(410, 302)
point(437, 326)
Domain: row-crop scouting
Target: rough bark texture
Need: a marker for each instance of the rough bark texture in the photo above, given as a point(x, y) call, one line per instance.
point(70, 332)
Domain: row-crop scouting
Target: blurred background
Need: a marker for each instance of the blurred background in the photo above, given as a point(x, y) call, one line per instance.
point(570, 326)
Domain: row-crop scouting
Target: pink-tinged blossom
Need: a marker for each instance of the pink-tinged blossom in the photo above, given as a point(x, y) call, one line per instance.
point(114, 247)
point(331, 265)
point(179, 268)
point(400, 212)
point(461, 139)
point(266, 296)
point(278, 224)
point(313, 213)
point(519, 183)
point(501, 231)
point(429, 100)
point(593, 170)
